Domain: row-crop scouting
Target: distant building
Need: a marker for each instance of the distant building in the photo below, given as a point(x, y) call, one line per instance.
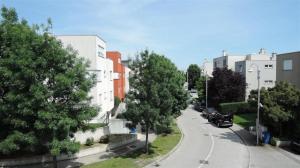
point(127, 75)
point(207, 68)
point(119, 74)
point(93, 48)
point(248, 68)
point(288, 68)
point(227, 61)
point(128, 72)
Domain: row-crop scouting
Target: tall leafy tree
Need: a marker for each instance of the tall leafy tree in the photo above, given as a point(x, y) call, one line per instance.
point(43, 90)
point(281, 105)
point(201, 88)
point(194, 73)
point(226, 86)
point(156, 92)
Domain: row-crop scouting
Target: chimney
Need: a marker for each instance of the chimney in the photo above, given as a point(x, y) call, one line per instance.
point(224, 53)
point(262, 51)
point(273, 57)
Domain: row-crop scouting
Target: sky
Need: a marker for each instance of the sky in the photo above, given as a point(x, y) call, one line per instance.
point(185, 31)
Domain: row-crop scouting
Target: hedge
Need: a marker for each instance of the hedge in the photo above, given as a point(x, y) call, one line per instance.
point(234, 107)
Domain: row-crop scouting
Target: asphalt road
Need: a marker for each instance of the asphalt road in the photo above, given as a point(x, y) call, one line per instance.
point(206, 146)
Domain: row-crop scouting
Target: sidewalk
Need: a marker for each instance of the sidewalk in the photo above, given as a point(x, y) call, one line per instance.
point(101, 156)
point(266, 156)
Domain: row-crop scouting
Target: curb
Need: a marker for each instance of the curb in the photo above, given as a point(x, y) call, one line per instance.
point(161, 158)
point(244, 142)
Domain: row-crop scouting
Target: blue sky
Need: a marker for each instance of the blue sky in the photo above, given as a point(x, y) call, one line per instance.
point(186, 31)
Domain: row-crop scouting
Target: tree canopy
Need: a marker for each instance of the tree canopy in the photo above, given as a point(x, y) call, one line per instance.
point(281, 105)
point(156, 92)
point(194, 73)
point(226, 86)
point(43, 90)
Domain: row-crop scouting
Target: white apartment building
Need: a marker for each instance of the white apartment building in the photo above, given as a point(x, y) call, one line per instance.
point(227, 60)
point(207, 68)
point(265, 63)
point(93, 48)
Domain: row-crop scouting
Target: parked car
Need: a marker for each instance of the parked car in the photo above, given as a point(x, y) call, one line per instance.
point(295, 144)
point(207, 112)
point(221, 119)
point(198, 107)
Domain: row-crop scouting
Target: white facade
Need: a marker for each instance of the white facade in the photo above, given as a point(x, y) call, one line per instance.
point(248, 68)
point(93, 48)
point(207, 68)
point(227, 61)
point(126, 77)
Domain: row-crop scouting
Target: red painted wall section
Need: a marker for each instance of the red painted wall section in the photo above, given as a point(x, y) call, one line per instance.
point(119, 84)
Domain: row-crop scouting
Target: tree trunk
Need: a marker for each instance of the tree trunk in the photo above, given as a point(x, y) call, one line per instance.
point(55, 162)
point(147, 132)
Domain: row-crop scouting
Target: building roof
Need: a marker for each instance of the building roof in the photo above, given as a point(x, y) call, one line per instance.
point(81, 35)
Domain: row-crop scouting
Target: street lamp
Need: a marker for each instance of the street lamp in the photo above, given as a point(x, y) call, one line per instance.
point(258, 99)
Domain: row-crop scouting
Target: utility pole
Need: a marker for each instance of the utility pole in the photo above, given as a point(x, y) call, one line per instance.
point(258, 105)
point(258, 101)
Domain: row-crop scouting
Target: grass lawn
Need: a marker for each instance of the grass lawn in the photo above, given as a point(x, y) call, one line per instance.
point(245, 120)
point(160, 146)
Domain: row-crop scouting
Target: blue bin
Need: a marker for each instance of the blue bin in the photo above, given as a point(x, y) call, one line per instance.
point(266, 137)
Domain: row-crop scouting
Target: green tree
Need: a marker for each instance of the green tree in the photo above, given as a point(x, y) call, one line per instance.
point(194, 73)
point(156, 92)
point(226, 86)
point(201, 86)
point(280, 106)
point(43, 90)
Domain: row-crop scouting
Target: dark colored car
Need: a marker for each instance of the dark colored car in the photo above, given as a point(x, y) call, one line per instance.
point(198, 107)
point(208, 112)
point(221, 120)
point(295, 144)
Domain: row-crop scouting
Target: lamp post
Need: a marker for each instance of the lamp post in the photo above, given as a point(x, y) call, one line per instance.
point(258, 100)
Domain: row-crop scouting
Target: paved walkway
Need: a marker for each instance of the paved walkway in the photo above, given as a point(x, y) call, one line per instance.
point(266, 156)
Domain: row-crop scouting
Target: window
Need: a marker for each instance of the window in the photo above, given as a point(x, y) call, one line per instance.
point(105, 96)
point(287, 65)
point(268, 82)
point(119, 60)
point(100, 51)
point(110, 75)
point(270, 66)
point(104, 74)
point(98, 76)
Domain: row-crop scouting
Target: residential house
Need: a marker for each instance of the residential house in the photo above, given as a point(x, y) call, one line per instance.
point(288, 68)
point(93, 49)
point(263, 62)
point(119, 74)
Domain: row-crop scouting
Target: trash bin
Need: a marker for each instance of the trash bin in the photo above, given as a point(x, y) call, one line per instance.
point(266, 137)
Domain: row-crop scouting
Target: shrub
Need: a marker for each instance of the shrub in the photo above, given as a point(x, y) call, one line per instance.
point(89, 142)
point(235, 107)
point(117, 101)
point(116, 105)
point(273, 141)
